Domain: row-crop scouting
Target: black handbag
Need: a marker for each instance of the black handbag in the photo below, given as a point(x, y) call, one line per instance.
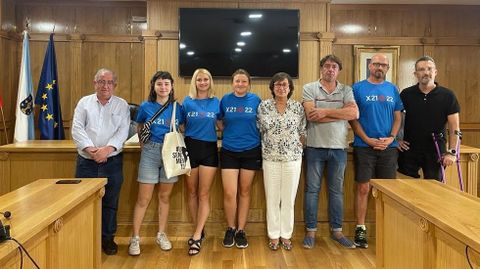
point(145, 133)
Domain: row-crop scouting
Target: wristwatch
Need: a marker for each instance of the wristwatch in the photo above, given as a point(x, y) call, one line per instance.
point(452, 152)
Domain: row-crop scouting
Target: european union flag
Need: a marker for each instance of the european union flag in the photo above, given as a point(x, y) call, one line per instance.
point(50, 118)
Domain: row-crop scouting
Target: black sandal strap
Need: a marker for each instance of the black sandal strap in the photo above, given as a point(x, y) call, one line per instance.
point(195, 247)
point(202, 237)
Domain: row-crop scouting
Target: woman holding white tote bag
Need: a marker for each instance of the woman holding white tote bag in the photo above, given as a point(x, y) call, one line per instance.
point(151, 169)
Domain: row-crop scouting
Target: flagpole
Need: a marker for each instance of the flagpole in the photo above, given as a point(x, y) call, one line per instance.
point(4, 125)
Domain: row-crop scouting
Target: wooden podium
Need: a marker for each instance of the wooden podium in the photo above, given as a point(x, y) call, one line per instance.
point(425, 224)
point(59, 224)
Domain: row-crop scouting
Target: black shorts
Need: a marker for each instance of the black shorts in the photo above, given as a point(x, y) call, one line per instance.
point(202, 152)
point(370, 163)
point(249, 159)
point(410, 161)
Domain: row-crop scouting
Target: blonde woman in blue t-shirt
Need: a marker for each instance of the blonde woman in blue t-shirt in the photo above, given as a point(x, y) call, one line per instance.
point(201, 110)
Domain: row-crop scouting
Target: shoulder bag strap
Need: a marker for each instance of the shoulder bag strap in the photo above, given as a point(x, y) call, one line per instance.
point(164, 106)
point(173, 127)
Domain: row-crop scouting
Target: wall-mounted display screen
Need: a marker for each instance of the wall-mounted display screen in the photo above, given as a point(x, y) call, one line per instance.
point(261, 41)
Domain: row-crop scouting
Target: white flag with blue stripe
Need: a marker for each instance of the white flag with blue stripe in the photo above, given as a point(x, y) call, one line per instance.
point(24, 128)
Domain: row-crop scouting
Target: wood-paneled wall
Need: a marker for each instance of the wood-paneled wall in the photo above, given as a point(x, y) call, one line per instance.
point(94, 34)
point(88, 35)
point(450, 34)
point(324, 28)
point(163, 17)
point(417, 29)
point(8, 80)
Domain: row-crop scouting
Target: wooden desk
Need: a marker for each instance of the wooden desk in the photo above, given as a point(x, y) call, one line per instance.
point(59, 225)
point(425, 224)
point(22, 163)
point(470, 171)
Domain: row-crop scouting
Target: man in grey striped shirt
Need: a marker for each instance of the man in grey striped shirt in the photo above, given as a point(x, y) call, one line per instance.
point(328, 105)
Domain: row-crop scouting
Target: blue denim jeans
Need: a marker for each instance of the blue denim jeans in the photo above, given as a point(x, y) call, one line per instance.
point(113, 171)
point(319, 159)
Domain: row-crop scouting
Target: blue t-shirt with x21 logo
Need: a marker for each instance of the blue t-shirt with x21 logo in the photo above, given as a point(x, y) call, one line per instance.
point(200, 116)
point(377, 104)
point(161, 124)
point(239, 116)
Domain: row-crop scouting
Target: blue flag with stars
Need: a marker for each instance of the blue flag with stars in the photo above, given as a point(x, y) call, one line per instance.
point(50, 114)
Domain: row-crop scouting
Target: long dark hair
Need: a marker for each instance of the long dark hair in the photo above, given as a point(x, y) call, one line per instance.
point(152, 96)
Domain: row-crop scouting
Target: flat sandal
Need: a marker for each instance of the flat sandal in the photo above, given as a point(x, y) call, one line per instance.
point(286, 244)
point(195, 247)
point(272, 245)
point(190, 240)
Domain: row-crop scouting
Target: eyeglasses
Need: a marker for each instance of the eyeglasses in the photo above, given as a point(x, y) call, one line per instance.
point(377, 65)
point(280, 85)
point(106, 82)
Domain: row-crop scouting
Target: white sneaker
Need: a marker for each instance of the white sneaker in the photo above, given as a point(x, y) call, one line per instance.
point(134, 247)
point(163, 242)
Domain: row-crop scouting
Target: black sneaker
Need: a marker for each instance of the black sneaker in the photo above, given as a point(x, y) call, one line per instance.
point(109, 247)
point(360, 238)
point(241, 239)
point(229, 240)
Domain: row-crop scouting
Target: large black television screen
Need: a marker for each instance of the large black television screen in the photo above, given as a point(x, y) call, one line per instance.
point(261, 41)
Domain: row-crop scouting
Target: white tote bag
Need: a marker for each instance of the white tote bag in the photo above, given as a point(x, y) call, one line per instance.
point(174, 152)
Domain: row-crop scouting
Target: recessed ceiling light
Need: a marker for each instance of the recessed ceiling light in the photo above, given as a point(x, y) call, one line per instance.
point(255, 16)
point(246, 33)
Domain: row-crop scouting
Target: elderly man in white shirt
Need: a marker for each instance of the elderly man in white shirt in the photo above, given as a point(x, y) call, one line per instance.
point(99, 129)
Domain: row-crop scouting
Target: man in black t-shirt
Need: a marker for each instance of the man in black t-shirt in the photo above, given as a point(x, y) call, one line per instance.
point(428, 108)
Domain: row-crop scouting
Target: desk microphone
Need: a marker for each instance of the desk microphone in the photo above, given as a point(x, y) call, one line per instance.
point(5, 235)
point(6, 214)
point(5, 230)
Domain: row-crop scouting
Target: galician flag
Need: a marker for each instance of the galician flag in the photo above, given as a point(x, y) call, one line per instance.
point(24, 129)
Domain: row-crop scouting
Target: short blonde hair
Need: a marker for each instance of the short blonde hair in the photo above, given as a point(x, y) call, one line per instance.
point(193, 86)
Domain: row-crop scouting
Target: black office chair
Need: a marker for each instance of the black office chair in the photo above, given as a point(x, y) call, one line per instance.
point(133, 115)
